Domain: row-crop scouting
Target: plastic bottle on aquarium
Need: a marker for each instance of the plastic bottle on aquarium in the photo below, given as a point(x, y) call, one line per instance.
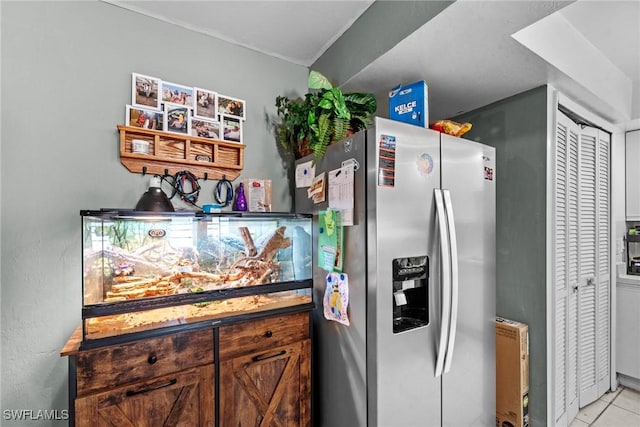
point(241, 200)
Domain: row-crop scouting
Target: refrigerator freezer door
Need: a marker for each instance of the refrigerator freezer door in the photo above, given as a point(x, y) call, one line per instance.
point(403, 390)
point(339, 359)
point(469, 174)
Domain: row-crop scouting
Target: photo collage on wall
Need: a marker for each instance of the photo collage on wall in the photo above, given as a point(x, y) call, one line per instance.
point(171, 107)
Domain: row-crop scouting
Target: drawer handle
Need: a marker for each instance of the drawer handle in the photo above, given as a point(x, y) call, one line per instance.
point(152, 359)
point(268, 334)
point(152, 388)
point(263, 357)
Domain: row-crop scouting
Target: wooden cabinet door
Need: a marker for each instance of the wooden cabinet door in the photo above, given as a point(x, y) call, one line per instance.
point(267, 389)
point(183, 399)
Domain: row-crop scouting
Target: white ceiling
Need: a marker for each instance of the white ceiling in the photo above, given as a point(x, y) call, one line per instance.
point(296, 31)
point(613, 27)
point(468, 54)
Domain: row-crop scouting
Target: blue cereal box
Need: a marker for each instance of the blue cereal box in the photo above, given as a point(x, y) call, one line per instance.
point(409, 104)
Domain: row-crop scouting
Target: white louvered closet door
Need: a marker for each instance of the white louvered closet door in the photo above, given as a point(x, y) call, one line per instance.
point(603, 332)
point(561, 265)
point(566, 269)
point(595, 286)
point(582, 286)
point(588, 292)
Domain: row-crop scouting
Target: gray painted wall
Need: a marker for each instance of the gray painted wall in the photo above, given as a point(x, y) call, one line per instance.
point(383, 25)
point(517, 128)
point(66, 77)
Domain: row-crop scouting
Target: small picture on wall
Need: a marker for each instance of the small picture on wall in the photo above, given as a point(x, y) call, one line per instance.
point(231, 107)
point(205, 104)
point(205, 128)
point(177, 94)
point(144, 118)
point(176, 118)
point(145, 91)
point(231, 129)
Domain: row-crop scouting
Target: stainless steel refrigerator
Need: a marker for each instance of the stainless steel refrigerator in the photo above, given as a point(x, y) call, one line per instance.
point(420, 260)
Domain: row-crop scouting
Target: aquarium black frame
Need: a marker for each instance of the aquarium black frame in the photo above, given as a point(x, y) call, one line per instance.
point(192, 326)
point(129, 213)
point(174, 300)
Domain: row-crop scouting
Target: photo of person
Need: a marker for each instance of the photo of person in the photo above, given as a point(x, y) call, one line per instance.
point(177, 118)
point(205, 104)
point(144, 118)
point(145, 91)
point(231, 129)
point(177, 94)
point(205, 128)
point(231, 107)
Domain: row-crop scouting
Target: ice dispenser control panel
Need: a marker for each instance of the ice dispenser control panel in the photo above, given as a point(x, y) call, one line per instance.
point(410, 293)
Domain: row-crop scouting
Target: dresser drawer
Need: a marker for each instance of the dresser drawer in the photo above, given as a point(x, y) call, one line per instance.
point(116, 365)
point(263, 334)
point(184, 398)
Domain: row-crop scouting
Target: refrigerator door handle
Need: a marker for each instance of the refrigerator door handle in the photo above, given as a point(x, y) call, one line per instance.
point(446, 282)
point(453, 246)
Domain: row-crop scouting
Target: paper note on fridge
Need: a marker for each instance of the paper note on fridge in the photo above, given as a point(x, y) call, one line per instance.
point(316, 190)
point(341, 193)
point(336, 298)
point(330, 246)
point(304, 174)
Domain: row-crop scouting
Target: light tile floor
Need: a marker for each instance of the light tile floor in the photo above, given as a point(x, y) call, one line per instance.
point(620, 408)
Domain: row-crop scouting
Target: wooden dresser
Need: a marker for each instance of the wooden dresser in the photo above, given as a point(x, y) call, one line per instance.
point(251, 373)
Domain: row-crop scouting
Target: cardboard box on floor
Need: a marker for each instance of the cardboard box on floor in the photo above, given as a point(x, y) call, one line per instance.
point(512, 373)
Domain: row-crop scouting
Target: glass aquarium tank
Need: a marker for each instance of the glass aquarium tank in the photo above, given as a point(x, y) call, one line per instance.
point(143, 271)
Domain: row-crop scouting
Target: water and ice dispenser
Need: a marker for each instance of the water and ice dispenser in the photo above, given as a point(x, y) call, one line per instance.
point(410, 293)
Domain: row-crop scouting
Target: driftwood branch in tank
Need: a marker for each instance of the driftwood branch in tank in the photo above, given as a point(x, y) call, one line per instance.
point(248, 241)
point(247, 270)
point(260, 267)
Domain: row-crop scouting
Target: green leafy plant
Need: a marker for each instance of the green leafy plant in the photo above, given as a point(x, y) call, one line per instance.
point(325, 115)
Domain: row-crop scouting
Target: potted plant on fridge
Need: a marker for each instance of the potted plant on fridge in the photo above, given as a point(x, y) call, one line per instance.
point(325, 115)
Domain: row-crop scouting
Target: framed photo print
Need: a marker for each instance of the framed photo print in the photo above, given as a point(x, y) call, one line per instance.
point(231, 129)
point(177, 94)
point(176, 118)
point(145, 91)
point(145, 118)
point(231, 107)
point(205, 128)
point(204, 105)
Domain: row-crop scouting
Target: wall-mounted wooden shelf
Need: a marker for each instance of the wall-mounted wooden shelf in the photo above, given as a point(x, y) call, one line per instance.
point(172, 152)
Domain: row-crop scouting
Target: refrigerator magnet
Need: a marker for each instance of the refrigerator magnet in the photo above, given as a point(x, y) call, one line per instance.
point(386, 161)
point(425, 164)
point(488, 173)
